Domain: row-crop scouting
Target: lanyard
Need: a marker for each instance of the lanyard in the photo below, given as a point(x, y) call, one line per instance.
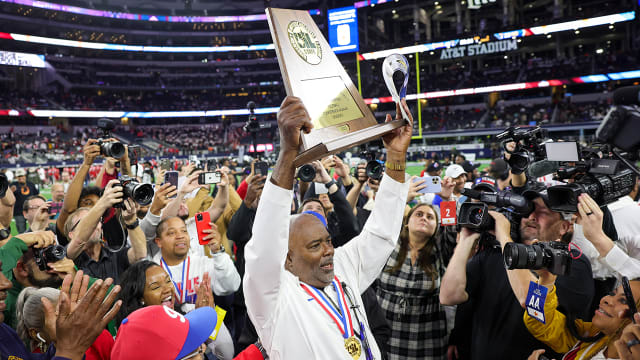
point(333, 313)
point(182, 294)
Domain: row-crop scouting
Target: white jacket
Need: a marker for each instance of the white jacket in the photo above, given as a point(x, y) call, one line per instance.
point(289, 325)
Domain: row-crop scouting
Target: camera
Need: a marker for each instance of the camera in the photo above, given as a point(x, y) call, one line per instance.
point(252, 125)
point(306, 173)
point(528, 146)
point(374, 168)
point(501, 199)
point(114, 149)
point(49, 254)
point(140, 193)
point(475, 216)
point(208, 178)
point(553, 256)
point(4, 185)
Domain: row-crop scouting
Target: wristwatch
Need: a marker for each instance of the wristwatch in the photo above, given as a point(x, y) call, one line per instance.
point(4, 233)
point(330, 183)
point(133, 226)
point(221, 250)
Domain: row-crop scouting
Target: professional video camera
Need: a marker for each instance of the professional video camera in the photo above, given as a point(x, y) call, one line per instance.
point(598, 174)
point(621, 124)
point(553, 256)
point(49, 254)
point(140, 193)
point(4, 185)
point(528, 146)
point(114, 149)
point(475, 215)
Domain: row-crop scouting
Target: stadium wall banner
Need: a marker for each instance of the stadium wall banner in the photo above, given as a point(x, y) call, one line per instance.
point(491, 47)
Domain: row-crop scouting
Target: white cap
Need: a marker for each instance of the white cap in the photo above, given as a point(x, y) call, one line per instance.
point(20, 172)
point(453, 171)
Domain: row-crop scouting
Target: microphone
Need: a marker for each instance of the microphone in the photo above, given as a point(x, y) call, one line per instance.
point(628, 95)
point(542, 168)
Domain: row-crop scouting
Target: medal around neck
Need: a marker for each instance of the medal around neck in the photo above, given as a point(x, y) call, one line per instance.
point(312, 72)
point(353, 347)
point(391, 64)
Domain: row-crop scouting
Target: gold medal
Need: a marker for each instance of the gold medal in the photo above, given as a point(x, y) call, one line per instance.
point(353, 347)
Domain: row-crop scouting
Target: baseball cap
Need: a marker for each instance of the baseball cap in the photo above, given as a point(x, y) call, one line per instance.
point(453, 171)
point(21, 172)
point(498, 166)
point(158, 332)
point(468, 166)
point(486, 183)
point(434, 166)
point(535, 190)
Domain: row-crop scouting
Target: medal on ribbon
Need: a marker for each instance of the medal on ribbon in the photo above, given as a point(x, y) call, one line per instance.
point(391, 64)
point(341, 316)
point(180, 290)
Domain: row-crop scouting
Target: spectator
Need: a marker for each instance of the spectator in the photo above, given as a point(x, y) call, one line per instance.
point(21, 189)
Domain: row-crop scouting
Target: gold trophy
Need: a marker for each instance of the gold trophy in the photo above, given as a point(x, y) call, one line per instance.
point(312, 72)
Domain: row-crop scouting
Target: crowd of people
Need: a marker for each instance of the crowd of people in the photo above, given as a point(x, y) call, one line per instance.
point(354, 264)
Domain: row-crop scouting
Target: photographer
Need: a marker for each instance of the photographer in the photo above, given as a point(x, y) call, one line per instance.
point(496, 310)
point(109, 170)
point(20, 257)
point(22, 189)
point(86, 237)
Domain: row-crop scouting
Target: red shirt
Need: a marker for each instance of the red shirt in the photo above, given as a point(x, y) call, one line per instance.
point(242, 189)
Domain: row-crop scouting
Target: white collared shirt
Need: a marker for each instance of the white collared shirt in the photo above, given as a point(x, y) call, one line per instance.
point(291, 326)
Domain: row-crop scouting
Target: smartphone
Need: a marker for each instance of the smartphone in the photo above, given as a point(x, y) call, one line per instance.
point(208, 178)
point(171, 177)
point(261, 168)
point(203, 220)
point(165, 165)
point(433, 184)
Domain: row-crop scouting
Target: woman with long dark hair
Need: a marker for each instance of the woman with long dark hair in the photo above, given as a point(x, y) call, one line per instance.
point(408, 289)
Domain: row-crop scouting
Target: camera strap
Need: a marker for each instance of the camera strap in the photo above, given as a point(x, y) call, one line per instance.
point(536, 298)
point(391, 64)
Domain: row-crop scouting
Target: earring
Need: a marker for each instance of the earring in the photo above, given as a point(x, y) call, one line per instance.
point(142, 302)
point(42, 345)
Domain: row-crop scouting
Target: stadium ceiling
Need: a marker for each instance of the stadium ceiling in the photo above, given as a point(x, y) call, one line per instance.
point(197, 7)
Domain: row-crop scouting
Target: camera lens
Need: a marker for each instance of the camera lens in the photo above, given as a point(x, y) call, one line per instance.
point(112, 149)
point(374, 170)
point(306, 173)
point(142, 194)
point(475, 217)
point(199, 217)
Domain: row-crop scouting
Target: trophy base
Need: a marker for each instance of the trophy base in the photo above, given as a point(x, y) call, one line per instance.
point(347, 141)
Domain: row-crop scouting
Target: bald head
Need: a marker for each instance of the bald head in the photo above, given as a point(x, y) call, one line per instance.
point(310, 255)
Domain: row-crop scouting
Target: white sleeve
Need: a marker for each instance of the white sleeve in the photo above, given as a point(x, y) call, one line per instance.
point(224, 276)
point(149, 224)
point(365, 255)
point(265, 253)
point(622, 263)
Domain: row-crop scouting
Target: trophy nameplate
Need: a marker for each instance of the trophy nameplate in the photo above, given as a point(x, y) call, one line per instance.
point(312, 72)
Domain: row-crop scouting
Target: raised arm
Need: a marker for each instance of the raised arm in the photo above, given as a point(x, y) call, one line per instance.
point(222, 197)
point(454, 282)
point(112, 195)
point(138, 248)
point(266, 251)
point(70, 204)
point(6, 208)
point(190, 184)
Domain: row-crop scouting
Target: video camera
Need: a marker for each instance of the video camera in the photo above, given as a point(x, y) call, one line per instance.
point(252, 125)
point(475, 215)
point(140, 193)
point(553, 256)
point(605, 179)
point(114, 149)
point(528, 146)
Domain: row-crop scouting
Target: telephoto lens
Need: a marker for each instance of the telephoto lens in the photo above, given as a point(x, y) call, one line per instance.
point(114, 149)
point(306, 173)
point(374, 170)
point(140, 193)
point(553, 256)
point(49, 254)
